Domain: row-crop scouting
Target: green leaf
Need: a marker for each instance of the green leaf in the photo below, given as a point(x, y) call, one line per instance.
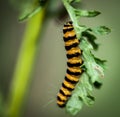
point(94, 70)
point(30, 8)
point(74, 105)
point(27, 14)
point(89, 100)
point(91, 38)
point(100, 62)
point(81, 95)
point(86, 13)
point(101, 30)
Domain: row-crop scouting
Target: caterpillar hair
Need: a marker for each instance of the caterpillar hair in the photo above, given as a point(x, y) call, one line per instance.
point(74, 62)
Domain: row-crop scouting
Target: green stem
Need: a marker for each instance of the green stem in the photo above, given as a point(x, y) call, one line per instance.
point(24, 65)
point(71, 12)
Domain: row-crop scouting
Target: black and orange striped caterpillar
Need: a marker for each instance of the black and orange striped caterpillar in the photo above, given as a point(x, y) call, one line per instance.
point(74, 62)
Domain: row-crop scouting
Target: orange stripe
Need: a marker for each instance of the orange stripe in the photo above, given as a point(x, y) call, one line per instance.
point(66, 91)
point(72, 78)
point(70, 42)
point(60, 103)
point(68, 84)
point(70, 33)
point(62, 97)
point(75, 60)
point(67, 27)
point(72, 69)
point(74, 50)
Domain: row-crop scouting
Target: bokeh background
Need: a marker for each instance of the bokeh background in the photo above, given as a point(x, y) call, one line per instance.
point(50, 64)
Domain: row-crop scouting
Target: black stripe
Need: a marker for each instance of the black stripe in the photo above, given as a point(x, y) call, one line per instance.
point(67, 29)
point(67, 25)
point(58, 98)
point(61, 91)
point(71, 46)
point(73, 73)
point(69, 38)
point(73, 55)
point(73, 64)
point(71, 81)
point(70, 22)
point(66, 87)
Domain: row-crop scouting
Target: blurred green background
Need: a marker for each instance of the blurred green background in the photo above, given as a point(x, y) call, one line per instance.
point(50, 66)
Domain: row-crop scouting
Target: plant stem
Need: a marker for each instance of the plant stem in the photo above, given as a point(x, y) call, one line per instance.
point(73, 17)
point(21, 77)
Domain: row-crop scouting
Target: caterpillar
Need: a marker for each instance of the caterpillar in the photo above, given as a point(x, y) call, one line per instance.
point(73, 72)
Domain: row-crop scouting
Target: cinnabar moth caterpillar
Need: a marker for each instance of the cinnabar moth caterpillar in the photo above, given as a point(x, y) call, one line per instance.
point(74, 62)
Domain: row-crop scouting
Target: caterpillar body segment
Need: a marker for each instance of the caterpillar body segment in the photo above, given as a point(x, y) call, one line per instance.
point(73, 72)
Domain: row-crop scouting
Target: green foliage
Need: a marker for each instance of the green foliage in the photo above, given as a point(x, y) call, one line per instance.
point(29, 13)
point(93, 67)
point(82, 94)
point(94, 71)
point(85, 13)
point(91, 38)
point(30, 9)
point(101, 30)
